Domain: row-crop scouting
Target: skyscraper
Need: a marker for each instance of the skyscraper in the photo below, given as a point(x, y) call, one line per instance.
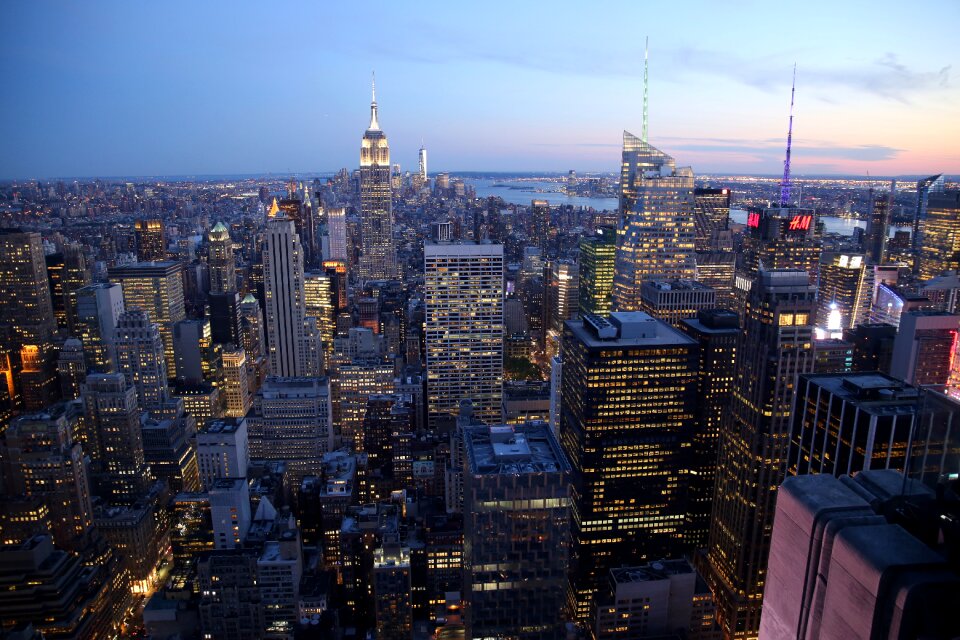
point(43, 461)
point(113, 439)
point(337, 232)
point(422, 169)
point(139, 352)
point(223, 266)
point(378, 260)
point(781, 238)
point(597, 253)
point(464, 328)
point(940, 235)
point(711, 217)
point(655, 233)
point(925, 347)
point(627, 417)
point(774, 347)
point(717, 331)
point(925, 186)
point(98, 308)
point(517, 531)
point(878, 225)
point(151, 242)
point(844, 293)
point(285, 305)
point(26, 315)
point(157, 288)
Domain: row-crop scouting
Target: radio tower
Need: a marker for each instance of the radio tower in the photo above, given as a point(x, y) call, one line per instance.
point(646, 55)
point(785, 184)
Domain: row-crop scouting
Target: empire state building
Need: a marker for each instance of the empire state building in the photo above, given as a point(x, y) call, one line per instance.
point(378, 259)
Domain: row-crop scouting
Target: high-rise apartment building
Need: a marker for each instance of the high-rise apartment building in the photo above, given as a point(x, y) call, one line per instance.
point(285, 305)
point(98, 308)
point(378, 257)
point(655, 234)
point(42, 461)
point(774, 348)
point(939, 249)
point(717, 331)
point(925, 187)
point(151, 241)
point(517, 531)
point(157, 288)
point(627, 420)
point(223, 450)
point(113, 439)
point(597, 254)
point(464, 328)
point(26, 315)
point(236, 385)
point(140, 357)
point(223, 265)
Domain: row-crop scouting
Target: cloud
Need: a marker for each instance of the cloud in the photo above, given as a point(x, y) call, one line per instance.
point(774, 148)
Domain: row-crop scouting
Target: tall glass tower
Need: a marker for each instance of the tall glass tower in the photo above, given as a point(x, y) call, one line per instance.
point(378, 260)
point(656, 230)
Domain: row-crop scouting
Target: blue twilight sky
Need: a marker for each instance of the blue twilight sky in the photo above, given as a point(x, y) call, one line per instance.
point(171, 88)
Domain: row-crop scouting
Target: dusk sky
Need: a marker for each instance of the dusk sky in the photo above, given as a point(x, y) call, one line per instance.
point(175, 88)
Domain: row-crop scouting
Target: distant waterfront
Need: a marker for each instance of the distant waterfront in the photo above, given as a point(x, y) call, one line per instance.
point(523, 191)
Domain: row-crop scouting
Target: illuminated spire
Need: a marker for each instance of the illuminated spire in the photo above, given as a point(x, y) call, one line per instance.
point(274, 209)
point(646, 56)
point(785, 184)
point(374, 125)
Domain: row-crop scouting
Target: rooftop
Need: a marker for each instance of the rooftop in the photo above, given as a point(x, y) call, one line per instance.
point(507, 449)
point(658, 570)
point(633, 328)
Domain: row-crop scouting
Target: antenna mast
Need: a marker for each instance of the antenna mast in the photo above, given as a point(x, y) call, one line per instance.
point(785, 184)
point(646, 56)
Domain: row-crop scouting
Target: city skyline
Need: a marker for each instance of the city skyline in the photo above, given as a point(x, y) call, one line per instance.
point(509, 88)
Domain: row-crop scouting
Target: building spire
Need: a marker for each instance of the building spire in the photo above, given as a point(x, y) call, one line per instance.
point(785, 184)
point(374, 125)
point(646, 56)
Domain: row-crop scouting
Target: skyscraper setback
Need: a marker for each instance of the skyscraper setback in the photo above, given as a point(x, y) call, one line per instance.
point(378, 259)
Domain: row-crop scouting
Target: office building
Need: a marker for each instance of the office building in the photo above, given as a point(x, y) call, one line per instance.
point(939, 249)
point(222, 450)
point(39, 384)
point(656, 231)
point(540, 229)
point(855, 558)
point(223, 265)
point(847, 423)
point(464, 329)
point(378, 256)
point(676, 300)
point(151, 241)
point(140, 357)
point(223, 310)
point(291, 421)
point(194, 351)
point(878, 227)
point(320, 300)
point(71, 368)
point(832, 355)
point(98, 308)
point(335, 242)
point(352, 384)
point(597, 255)
point(943, 292)
point(717, 270)
point(168, 447)
point(844, 293)
point(113, 439)
point(774, 348)
point(925, 346)
point(43, 462)
point(781, 238)
point(627, 421)
point(925, 187)
point(289, 336)
point(231, 606)
point(660, 599)
point(872, 346)
point(711, 217)
point(717, 331)
point(157, 289)
point(516, 506)
point(301, 212)
point(562, 295)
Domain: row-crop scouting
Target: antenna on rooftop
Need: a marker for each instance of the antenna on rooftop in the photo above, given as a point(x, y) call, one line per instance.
point(646, 56)
point(785, 184)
